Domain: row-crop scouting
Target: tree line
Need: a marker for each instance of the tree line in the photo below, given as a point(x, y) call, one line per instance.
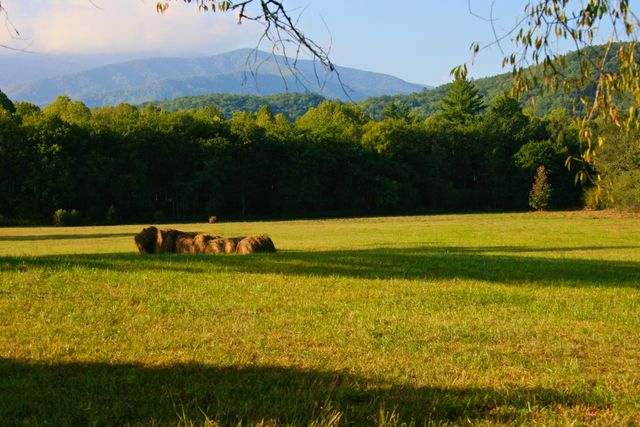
point(127, 163)
point(292, 104)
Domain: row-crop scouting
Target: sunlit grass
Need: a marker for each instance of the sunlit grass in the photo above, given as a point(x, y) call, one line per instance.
point(496, 319)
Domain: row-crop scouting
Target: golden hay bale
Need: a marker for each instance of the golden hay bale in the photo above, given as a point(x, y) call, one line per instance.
point(151, 240)
point(185, 244)
point(166, 241)
point(212, 219)
point(200, 242)
point(254, 244)
point(231, 243)
point(175, 241)
point(215, 246)
point(147, 240)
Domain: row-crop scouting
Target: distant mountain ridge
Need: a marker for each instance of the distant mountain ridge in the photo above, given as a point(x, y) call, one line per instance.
point(243, 71)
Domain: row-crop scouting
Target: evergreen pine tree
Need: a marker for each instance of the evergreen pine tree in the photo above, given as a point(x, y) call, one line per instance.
point(462, 101)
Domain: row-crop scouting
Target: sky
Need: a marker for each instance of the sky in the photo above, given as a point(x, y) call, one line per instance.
point(417, 40)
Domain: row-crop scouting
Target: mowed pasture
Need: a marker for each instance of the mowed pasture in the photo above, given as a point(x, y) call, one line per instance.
point(458, 319)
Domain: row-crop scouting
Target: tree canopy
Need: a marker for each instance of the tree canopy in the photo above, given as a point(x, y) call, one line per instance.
point(6, 103)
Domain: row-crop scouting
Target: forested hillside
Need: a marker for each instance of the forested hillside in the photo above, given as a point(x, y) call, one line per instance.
point(426, 102)
point(144, 164)
point(292, 105)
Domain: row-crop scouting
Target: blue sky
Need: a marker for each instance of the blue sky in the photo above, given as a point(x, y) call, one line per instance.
point(416, 40)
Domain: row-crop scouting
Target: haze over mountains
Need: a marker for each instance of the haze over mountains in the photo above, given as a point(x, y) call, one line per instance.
point(23, 67)
point(243, 71)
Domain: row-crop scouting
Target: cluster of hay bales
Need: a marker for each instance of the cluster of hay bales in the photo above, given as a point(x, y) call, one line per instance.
point(153, 240)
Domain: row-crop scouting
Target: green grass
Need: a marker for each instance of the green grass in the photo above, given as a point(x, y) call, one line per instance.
point(460, 319)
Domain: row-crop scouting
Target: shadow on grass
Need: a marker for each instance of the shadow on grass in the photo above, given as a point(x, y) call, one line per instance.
point(104, 394)
point(419, 263)
point(35, 237)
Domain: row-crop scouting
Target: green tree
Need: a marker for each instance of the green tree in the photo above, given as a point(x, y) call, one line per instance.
point(398, 111)
point(333, 120)
point(462, 102)
point(69, 111)
point(6, 103)
point(14, 160)
point(505, 130)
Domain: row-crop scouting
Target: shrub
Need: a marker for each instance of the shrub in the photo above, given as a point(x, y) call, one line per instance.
point(540, 194)
point(596, 199)
point(11, 222)
point(626, 190)
point(65, 218)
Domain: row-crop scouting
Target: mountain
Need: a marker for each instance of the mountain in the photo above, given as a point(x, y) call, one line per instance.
point(244, 71)
point(22, 67)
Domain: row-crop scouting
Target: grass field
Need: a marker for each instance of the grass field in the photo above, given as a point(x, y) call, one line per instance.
point(460, 319)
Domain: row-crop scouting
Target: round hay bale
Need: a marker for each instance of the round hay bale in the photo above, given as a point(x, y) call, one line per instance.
point(167, 241)
point(215, 246)
point(185, 242)
point(231, 243)
point(200, 242)
point(147, 240)
point(255, 244)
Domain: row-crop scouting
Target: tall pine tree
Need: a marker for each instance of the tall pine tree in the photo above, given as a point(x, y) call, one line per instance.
point(461, 102)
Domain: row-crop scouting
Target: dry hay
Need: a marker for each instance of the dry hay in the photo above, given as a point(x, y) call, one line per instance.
point(201, 241)
point(214, 246)
point(254, 244)
point(174, 241)
point(231, 244)
point(147, 240)
point(152, 240)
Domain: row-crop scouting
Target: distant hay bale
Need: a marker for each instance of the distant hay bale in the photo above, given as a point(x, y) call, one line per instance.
point(213, 219)
point(255, 244)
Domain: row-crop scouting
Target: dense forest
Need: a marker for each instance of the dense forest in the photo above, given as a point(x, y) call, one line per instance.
point(124, 163)
point(292, 105)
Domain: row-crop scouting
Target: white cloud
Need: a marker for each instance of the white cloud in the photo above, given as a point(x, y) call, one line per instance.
point(118, 26)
